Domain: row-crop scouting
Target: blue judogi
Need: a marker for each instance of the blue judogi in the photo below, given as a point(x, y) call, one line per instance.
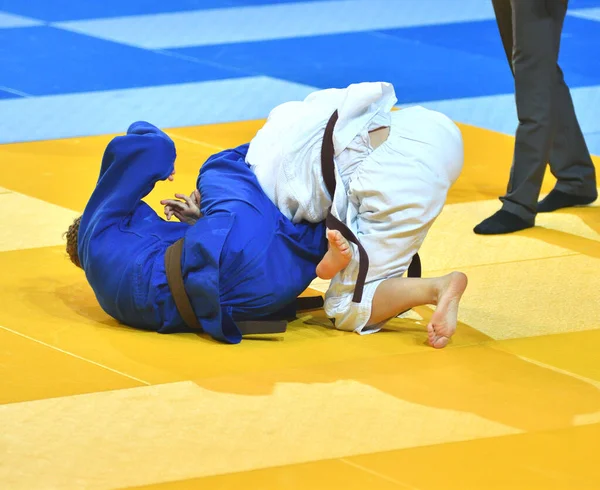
point(242, 260)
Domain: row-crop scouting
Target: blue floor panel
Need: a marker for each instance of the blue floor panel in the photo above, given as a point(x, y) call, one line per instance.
point(419, 71)
point(48, 61)
point(64, 10)
point(8, 95)
point(453, 63)
point(580, 44)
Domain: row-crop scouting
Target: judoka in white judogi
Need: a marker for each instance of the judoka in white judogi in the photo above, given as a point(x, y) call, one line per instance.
point(389, 196)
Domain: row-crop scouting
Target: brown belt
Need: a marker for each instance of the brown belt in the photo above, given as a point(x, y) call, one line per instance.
point(328, 170)
point(248, 327)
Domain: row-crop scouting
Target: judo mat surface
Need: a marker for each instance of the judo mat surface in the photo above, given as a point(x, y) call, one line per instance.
point(512, 402)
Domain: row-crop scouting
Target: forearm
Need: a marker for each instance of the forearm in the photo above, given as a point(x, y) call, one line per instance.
point(131, 166)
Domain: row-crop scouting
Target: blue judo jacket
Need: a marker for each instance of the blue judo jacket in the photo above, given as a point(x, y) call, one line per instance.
point(242, 260)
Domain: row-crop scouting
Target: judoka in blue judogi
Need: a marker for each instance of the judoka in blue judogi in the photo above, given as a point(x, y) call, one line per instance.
point(242, 260)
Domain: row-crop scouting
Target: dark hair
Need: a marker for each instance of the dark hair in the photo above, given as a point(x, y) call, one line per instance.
point(71, 235)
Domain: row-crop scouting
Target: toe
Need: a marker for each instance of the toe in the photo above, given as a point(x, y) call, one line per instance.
point(440, 342)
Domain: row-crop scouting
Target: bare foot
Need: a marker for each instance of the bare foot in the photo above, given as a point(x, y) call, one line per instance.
point(443, 321)
point(337, 257)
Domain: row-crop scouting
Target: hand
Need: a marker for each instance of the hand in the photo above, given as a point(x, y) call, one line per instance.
point(187, 210)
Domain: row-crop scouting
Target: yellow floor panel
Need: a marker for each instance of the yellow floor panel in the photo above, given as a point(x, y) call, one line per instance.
point(482, 380)
point(451, 242)
point(574, 352)
point(64, 172)
point(284, 417)
point(55, 294)
point(197, 427)
point(329, 474)
point(533, 297)
point(31, 223)
point(513, 402)
point(30, 370)
point(555, 460)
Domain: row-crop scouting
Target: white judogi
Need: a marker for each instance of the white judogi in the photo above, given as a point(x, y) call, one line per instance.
point(389, 197)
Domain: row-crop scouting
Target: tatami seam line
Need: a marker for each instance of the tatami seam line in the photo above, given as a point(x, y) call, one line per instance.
point(377, 474)
point(568, 254)
point(75, 355)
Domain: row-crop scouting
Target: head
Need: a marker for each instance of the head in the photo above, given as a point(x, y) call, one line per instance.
point(71, 235)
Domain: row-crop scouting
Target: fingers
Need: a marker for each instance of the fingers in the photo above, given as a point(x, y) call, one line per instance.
point(180, 215)
point(184, 203)
point(174, 203)
point(185, 198)
point(196, 195)
point(171, 207)
point(184, 208)
point(193, 198)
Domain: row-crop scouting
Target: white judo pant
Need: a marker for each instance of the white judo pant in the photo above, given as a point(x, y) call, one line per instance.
point(394, 196)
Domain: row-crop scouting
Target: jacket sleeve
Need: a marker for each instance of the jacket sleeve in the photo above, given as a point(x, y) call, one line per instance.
point(131, 166)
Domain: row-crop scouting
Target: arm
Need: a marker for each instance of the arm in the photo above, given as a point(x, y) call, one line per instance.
point(131, 166)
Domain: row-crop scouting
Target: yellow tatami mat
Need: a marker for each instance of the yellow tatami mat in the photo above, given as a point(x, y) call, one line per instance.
point(512, 402)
